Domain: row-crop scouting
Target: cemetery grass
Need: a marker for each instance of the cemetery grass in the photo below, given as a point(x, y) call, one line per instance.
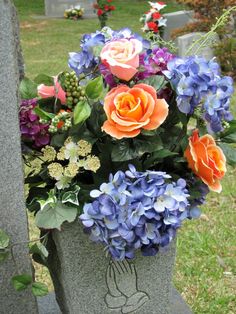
point(205, 271)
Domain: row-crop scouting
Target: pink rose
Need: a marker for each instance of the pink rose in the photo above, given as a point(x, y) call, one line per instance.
point(122, 57)
point(56, 91)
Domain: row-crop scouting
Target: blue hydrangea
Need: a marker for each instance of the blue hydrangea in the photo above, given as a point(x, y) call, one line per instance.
point(136, 210)
point(198, 81)
point(86, 60)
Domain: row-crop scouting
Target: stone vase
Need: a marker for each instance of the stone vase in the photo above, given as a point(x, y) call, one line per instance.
point(87, 281)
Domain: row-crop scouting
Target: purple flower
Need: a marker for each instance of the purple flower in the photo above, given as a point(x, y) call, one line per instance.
point(30, 127)
point(154, 62)
point(136, 210)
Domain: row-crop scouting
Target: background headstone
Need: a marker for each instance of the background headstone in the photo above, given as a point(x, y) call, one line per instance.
point(176, 20)
point(56, 8)
point(88, 282)
point(12, 207)
point(185, 41)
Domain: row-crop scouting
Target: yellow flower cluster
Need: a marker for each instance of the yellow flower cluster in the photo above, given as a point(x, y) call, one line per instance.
point(78, 155)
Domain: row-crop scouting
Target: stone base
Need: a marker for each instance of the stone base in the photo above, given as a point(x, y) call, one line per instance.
point(48, 304)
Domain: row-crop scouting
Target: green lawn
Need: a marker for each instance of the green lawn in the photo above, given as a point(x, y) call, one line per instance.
point(205, 271)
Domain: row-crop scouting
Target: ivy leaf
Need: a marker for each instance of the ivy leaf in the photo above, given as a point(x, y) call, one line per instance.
point(39, 289)
point(44, 79)
point(28, 89)
point(21, 282)
point(53, 215)
point(230, 153)
point(3, 255)
point(4, 240)
point(156, 81)
point(94, 88)
point(58, 139)
point(71, 197)
point(81, 112)
point(40, 249)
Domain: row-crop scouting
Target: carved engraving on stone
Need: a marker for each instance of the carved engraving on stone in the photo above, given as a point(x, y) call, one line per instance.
point(123, 293)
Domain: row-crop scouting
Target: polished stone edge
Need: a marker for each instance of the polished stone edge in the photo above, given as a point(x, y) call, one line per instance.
point(48, 304)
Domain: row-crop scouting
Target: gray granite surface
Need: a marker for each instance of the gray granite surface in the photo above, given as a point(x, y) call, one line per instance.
point(88, 282)
point(176, 20)
point(12, 207)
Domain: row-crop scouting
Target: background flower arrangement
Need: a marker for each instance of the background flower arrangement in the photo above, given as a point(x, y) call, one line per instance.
point(103, 8)
point(152, 20)
point(129, 149)
point(74, 13)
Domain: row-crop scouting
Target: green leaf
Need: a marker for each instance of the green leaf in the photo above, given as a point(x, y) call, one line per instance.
point(21, 282)
point(231, 138)
point(58, 139)
point(230, 153)
point(94, 88)
point(128, 150)
point(71, 197)
point(43, 114)
point(53, 215)
point(4, 240)
point(28, 89)
point(3, 255)
point(40, 249)
point(81, 112)
point(156, 81)
point(44, 79)
point(39, 289)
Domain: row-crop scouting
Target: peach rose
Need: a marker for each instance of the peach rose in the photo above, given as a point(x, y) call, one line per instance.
point(122, 57)
point(56, 91)
point(206, 159)
point(129, 110)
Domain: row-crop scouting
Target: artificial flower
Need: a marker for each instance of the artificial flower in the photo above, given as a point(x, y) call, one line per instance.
point(129, 110)
point(122, 57)
point(206, 160)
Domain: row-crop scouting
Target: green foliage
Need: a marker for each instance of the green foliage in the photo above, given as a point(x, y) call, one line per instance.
point(28, 89)
point(130, 149)
point(44, 79)
point(53, 213)
point(71, 197)
point(43, 114)
point(21, 282)
point(4, 240)
point(94, 88)
point(156, 81)
point(39, 289)
point(40, 249)
point(230, 153)
point(81, 112)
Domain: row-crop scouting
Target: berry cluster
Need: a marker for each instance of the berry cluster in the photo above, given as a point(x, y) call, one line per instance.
point(62, 121)
point(74, 92)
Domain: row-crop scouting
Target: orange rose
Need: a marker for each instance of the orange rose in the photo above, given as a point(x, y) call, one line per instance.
point(129, 110)
point(206, 160)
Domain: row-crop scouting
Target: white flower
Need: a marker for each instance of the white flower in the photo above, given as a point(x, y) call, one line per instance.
point(162, 22)
point(64, 182)
point(71, 152)
point(158, 5)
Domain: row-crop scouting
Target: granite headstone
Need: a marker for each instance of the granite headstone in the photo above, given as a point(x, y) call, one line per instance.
point(185, 41)
point(12, 207)
point(87, 281)
point(176, 20)
point(56, 8)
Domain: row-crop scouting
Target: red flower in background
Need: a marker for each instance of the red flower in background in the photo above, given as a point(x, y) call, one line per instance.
point(156, 15)
point(152, 26)
point(99, 12)
point(112, 8)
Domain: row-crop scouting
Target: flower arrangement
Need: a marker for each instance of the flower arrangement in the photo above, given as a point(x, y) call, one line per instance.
point(131, 140)
point(152, 20)
point(103, 8)
point(74, 13)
